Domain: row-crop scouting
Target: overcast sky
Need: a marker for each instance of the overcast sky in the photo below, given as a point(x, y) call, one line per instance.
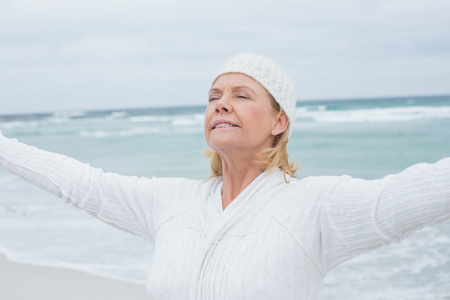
point(77, 55)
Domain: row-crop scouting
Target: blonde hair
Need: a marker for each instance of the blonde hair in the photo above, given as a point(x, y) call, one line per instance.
point(269, 159)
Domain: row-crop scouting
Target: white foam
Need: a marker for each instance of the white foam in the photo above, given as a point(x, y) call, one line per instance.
point(149, 119)
point(15, 124)
point(188, 120)
point(117, 268)
point(128, 272)
point(117, 115)
point(96, 134)
point(388, 114)
point(120, 133)
point(30, 218)
point(139, 131)
point(63, 116)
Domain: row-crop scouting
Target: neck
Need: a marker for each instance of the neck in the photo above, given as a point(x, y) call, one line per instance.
point(237, 175)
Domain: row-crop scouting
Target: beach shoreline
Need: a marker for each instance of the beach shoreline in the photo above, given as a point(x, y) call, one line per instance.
point(23, 282)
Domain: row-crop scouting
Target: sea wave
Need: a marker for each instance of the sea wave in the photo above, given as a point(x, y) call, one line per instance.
point(15, 124)
point(185, 122)
point(175, 120)
point(388, 114)
point(120, 133)
point(69, 114)
point(188, 120)
point(150, 119)
point(64, 116)
point(129, 271)
point(117, 115)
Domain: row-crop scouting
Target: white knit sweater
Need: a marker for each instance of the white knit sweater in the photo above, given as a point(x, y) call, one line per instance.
point(274, 241)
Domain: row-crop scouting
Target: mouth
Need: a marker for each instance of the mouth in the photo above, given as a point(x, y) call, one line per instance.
point(223, 124)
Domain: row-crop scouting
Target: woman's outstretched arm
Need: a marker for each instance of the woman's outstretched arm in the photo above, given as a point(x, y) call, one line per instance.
point(360, 215)
point(121, 201)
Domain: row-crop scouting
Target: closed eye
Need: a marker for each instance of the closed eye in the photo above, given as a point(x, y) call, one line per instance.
point(242, 96)
point(213, 97)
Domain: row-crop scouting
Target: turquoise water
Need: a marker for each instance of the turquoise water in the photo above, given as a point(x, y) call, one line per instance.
point(367, 138)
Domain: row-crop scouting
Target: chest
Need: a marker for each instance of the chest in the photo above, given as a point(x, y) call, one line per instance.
point(254, 258)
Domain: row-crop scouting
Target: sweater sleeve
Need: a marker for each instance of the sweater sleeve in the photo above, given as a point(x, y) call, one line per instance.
point(121, 201)
point(361, 215)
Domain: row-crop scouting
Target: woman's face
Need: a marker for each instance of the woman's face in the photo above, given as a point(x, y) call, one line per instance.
point(239, 115)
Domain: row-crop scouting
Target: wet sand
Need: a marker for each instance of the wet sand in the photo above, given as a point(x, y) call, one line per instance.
point(26, 282)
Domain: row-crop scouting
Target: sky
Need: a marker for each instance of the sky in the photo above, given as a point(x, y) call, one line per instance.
point(84, 55)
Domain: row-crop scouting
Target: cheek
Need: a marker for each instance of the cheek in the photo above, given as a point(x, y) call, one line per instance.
point(261, 116)
point(209, 111)
point(251, 111)
point(208, 115)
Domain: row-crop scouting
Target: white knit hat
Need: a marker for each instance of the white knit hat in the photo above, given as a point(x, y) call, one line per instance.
point(270, 75)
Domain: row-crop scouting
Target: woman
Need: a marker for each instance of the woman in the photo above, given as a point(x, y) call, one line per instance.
point(252, 231)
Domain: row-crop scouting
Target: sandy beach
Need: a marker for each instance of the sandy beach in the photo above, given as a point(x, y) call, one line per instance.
point(25, 282)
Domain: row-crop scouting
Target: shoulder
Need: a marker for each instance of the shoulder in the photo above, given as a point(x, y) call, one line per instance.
point(180, 188)
point(179, 194)
point(312, 187)
point(303, 199)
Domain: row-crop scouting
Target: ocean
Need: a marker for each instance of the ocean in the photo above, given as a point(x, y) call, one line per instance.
point(365, 138)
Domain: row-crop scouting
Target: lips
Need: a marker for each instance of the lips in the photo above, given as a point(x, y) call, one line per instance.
point(223, 124)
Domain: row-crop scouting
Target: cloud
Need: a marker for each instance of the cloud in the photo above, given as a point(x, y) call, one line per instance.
point(58, 55)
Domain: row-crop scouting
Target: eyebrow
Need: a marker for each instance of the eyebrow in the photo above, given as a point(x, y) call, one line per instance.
point(243, 87)
point(235, 88)
point(213, 90)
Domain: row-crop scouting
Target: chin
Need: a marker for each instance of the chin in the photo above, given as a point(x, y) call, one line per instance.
point(223, 144)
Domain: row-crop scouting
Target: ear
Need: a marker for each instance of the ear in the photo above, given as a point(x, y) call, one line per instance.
point(281, 123)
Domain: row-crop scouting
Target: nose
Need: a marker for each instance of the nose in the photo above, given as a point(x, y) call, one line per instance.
point(224, 105)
